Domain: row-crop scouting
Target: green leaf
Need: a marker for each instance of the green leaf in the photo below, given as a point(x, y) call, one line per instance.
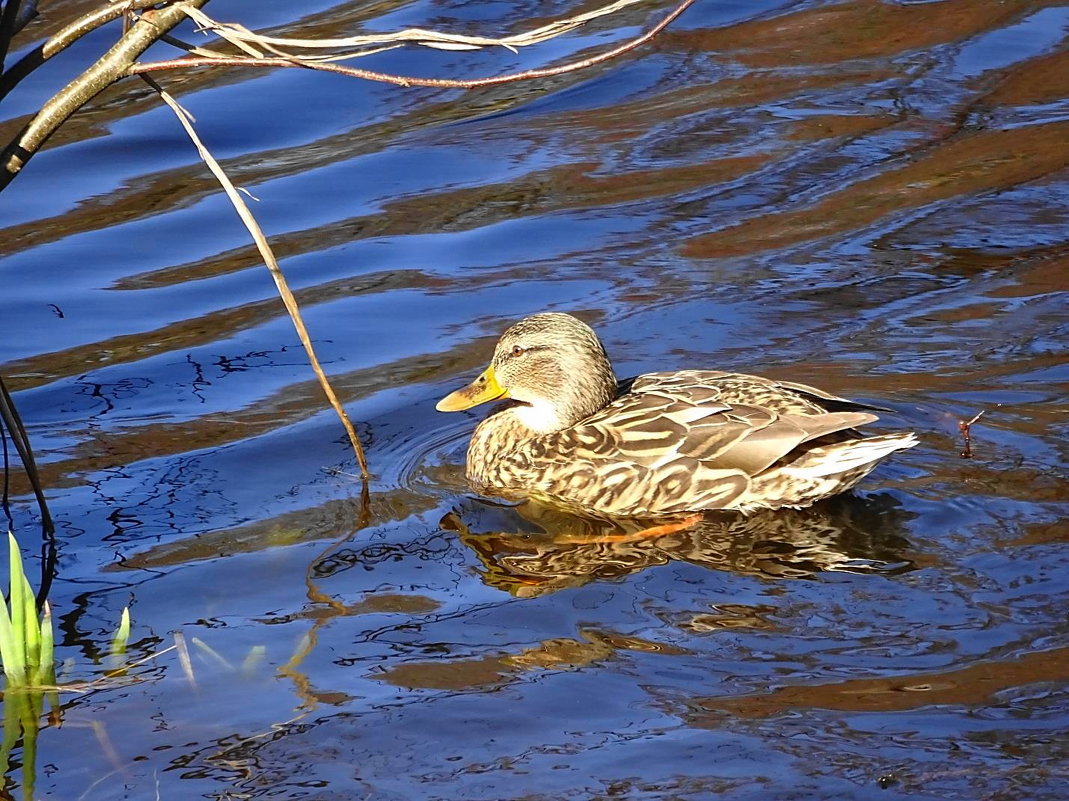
point(31, 623)
point(12, 622)
point(122, 634)
point(10, 652)
point(46, 668)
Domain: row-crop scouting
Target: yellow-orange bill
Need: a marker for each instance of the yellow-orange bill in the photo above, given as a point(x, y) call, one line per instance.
point(482, 390)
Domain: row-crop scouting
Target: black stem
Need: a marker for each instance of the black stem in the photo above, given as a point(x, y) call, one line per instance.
point(13, 423)
point(8, 19)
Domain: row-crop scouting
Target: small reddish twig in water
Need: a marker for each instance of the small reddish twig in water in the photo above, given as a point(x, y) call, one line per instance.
point(966, 435)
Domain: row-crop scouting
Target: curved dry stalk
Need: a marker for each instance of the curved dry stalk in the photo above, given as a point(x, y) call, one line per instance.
point(141, 68)
point(108, 69)
point(272, 264)
point(302, 685)
point(207, 51)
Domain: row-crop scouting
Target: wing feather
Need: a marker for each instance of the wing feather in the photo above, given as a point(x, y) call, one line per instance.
point(691, 439)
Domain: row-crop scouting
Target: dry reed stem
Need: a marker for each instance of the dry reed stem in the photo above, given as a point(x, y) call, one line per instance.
point(272, 264)
point(238, 35)
point(141, 68)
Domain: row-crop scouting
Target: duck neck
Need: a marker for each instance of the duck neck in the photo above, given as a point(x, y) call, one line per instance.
point(513, 427)
point(567, 399)
point(495, 437)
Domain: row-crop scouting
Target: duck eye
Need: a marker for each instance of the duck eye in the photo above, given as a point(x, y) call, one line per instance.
point(518, 351)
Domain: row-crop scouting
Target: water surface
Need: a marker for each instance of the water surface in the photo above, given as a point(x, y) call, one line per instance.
point(866, 196)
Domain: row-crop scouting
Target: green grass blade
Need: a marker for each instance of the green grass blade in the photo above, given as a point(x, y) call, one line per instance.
point(45, 673)
point(12, 648)
point(24, 621)
point(31, 624)
point(10, 652)
point(122, 634)
point(14, 592)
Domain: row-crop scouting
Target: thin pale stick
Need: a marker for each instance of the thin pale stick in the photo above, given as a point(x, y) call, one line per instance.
point(233, 33)
point(141, 68)
point(272, 264)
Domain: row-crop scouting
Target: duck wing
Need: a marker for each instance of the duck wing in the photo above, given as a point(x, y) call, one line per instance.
point(833, 403)
point(682, 441)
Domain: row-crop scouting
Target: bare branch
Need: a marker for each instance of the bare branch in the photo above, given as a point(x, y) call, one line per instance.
point(108, 69)
point(272, 264)
point(405, 80)
point(64, 38)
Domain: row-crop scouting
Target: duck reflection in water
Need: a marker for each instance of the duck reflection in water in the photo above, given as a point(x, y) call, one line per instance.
point(532, 549)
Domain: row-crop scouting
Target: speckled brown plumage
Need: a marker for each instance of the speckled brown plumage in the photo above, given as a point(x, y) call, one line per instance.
point(667, 443)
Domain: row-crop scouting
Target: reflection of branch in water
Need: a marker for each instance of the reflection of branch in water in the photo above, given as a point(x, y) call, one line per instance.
point(532, 549)
point(559, 653)
point(330, 606)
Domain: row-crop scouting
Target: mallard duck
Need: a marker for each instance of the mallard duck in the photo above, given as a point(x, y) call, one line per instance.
point(669, 443)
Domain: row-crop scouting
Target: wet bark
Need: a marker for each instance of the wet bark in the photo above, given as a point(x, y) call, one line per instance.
point(112, 66)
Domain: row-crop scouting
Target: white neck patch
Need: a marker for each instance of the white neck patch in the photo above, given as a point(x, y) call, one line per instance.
point(539, 416)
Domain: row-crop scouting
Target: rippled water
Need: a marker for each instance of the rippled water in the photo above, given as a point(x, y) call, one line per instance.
point(866, 196)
